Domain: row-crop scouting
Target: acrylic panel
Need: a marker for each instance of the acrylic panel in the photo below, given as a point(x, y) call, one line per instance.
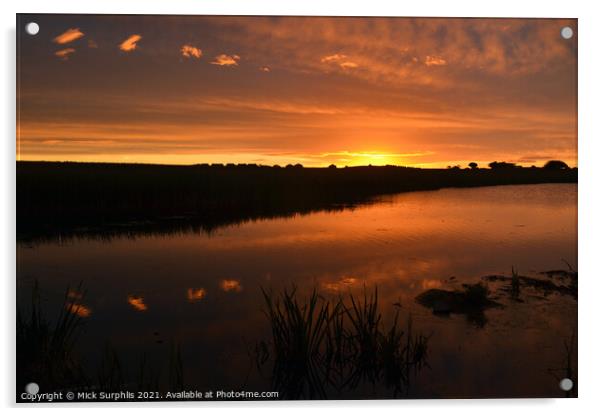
point(295, 208)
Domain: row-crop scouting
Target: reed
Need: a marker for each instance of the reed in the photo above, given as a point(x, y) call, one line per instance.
point(45, 351)
point(319, 347)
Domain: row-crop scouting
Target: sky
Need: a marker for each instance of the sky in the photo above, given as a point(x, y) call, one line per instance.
point(424, 92)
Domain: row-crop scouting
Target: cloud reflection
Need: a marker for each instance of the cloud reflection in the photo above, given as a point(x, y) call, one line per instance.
point(194, 295)
point(341, 284)
point(230, 285)
point(78, 309)
point(137, 302)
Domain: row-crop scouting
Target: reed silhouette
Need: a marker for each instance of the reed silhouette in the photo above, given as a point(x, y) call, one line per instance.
point(46, 350)
point(321, 348)
point(47, 354)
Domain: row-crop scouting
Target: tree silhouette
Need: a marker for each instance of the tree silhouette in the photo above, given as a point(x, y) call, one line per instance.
point(556, 165)
point(473, 165)
point(502, 165)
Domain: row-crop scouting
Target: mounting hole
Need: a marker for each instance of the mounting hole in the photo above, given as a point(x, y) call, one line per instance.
point(566, 384)
point(32, 388)
point(32, 28)
point(566, 32)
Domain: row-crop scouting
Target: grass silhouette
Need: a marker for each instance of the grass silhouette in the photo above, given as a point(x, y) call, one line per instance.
point(319, 347)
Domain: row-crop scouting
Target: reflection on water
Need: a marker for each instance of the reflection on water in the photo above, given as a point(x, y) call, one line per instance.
point(404, 244)
point(196, 294)
point(231, 285)
point(342, 284)
point(78, 309)
point(137, 303)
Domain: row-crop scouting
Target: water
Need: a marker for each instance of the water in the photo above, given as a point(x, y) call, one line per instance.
point(145, 295)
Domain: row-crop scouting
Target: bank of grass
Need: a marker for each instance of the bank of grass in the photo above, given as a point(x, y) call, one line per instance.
point(96, 197)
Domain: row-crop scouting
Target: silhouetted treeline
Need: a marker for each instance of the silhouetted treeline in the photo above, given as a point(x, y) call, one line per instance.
point(60, 197)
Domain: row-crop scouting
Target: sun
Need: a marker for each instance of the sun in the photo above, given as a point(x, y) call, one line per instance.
point(374, 158)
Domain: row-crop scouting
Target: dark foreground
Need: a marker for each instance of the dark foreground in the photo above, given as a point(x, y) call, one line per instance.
point(120, 198)
point(459, 268)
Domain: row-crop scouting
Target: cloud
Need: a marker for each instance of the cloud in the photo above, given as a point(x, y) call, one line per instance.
point(92, 44)
point(333, 58)
point(226, 60)
point(434, 61)
point(385, 49)
point(265, 69)
point(451, 87)
point(64, 53)
point(130, 43)
point(346, 65)
point(339, 59)
point(189, 51)
point(69, 36)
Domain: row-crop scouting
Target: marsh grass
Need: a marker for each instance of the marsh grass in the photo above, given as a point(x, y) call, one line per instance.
point(569, 364)
point(515, 285)
point(319, 346)
point(45, 351)
point(46, 354)
point(112, 374)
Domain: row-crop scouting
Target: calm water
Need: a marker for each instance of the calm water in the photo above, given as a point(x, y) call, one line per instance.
point(202, 291)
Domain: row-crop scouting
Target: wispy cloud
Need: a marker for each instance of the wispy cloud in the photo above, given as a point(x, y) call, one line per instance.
point(64, 53)
point(339, 59)
point(345, 65)
point(333, 58)
point(68, 36)
point(434, 61)
point(189, 51)
point(426, 91)
point(226, 60)
point(92, 44)
point(130, 43)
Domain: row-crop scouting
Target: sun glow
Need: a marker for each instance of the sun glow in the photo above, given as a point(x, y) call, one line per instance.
point(374, 158)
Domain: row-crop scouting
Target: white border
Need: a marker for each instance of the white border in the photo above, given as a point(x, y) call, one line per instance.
point(590, 134)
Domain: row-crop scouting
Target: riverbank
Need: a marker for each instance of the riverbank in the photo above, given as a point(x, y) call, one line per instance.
point(55, 197)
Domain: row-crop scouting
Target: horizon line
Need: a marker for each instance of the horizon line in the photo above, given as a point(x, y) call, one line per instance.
point(289, 165)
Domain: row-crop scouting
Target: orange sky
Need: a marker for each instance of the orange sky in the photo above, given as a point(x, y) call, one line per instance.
point(267, 90)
